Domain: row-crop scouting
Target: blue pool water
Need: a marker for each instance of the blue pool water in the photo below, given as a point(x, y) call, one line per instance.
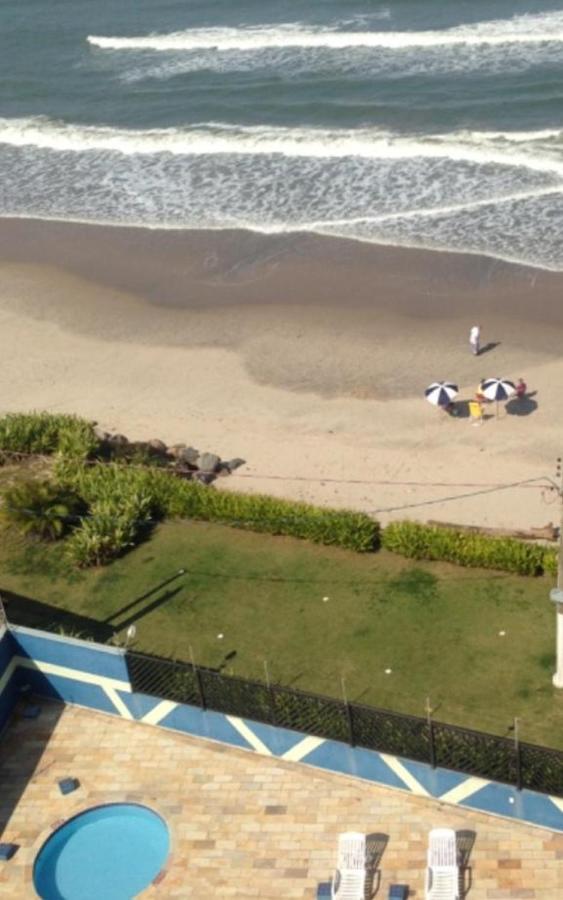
point(111, 852)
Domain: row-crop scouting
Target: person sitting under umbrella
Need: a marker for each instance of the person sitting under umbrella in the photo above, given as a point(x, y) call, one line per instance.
point(497, 390)
point(479, 395)
point(521, 388)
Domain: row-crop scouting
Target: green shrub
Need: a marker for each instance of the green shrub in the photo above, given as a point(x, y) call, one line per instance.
point(466, 548)
point(40, 508)
point(111, 528)
point(173, 497)
point(46, 433)
point(550, 561)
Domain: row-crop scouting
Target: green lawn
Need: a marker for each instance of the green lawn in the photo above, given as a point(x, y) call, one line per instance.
point(435, 626)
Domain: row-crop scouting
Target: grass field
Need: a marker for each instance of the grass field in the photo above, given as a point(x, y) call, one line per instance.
point(436, 626)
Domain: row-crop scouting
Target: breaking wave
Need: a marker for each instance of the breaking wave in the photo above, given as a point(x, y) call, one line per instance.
point(481, 147)
point(495, 192)
point(526, 29)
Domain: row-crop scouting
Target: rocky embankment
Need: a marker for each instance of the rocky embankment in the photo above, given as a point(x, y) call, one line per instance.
point(180, 459)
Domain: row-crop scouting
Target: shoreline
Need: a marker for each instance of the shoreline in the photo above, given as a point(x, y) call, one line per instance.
point(121, 257)
point(280, 233)
point(306, 356)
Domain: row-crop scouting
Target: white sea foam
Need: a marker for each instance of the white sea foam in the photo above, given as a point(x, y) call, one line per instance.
point(363, 18)
point(545, 134)
point(363, 62)
point(526, 29)
point(481, 148)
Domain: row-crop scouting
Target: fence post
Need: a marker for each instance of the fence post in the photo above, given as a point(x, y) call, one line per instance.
point(431, 745)
point(198, 680)
point(348, 714)
point(271, 693)
point(200, 689)
point(518, 754)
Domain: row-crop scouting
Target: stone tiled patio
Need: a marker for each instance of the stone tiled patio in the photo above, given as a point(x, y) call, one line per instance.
point(244, 825)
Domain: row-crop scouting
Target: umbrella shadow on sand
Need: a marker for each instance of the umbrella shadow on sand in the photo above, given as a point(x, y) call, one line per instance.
point(523, 406)
point(461, 408)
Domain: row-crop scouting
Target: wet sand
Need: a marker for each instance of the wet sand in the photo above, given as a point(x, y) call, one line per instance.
point(307, 356)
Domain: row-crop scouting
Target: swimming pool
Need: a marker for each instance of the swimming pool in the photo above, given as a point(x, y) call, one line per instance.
point(111, 852)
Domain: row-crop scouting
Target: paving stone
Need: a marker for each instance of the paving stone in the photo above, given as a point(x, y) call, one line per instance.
point(244, 825)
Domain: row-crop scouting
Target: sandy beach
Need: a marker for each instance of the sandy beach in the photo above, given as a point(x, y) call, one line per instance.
point(306, 356)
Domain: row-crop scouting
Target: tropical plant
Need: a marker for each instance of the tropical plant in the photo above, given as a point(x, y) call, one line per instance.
point(110, 529)
point(550, 561)
point(40, 508)
point(47, 433)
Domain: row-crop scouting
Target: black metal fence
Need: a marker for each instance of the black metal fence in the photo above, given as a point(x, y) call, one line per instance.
point(425, 740)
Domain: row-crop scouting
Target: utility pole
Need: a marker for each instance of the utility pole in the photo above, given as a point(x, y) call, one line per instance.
point(556, 595)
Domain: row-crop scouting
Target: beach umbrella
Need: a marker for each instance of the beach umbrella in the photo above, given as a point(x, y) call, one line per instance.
point(440, 393)
point(497, 389)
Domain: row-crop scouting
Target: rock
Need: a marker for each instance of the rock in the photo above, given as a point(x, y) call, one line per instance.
point(156, 447)
point(182, 472)
point(204, 477)
point(175, 451)
point(232, 464)
point(189, 455)
point(208, 462)
point(117, 440)
point(138, 448)
point(102, 436)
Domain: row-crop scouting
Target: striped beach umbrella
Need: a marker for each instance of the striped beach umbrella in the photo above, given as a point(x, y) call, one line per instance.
point(497, 389)
point(440, 393)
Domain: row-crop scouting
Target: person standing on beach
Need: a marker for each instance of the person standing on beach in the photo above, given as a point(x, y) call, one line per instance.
point(475, 339)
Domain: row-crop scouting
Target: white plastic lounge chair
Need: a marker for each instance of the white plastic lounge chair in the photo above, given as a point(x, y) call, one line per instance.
point(442, 874)
point(350, 877)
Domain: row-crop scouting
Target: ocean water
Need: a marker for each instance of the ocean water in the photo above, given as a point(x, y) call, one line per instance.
point(415, 122)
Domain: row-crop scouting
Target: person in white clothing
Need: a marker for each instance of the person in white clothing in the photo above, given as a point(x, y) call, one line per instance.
point(475, 340)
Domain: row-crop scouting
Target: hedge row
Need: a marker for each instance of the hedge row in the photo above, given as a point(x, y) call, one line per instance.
point(47, 433)
point(466, 548)
point(174, 497)
point(133, 498)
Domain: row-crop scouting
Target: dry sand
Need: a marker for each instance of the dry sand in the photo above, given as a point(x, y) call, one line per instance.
point(305, 356)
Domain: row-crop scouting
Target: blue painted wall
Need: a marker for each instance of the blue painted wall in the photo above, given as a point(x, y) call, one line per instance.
point(83, 656)
point(8, 695)
point(80, 658)
point(95, 676)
